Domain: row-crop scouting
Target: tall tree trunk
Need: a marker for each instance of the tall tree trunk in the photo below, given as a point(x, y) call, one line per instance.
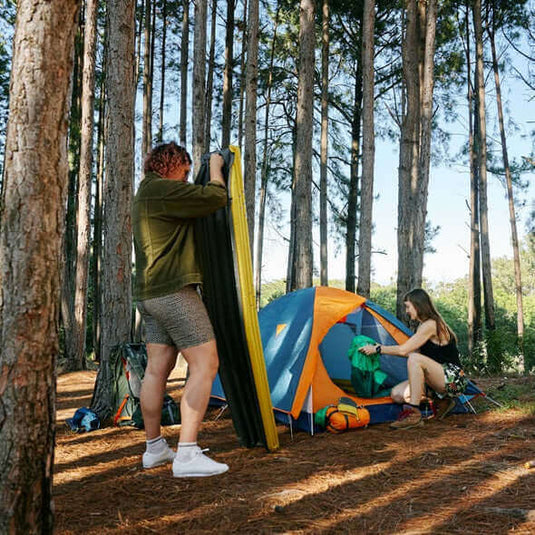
point(139, 32)
point(368, 149)
point(162, 76)
point(184, 56)
point(474, 284)
point(265, 167)
point(210, 79)
point(117, 225)
point(428, 21)
point(97, 218)
point(31, 229)
point(324, 149)
point(146, 133)
point(415, 145)
point(84, 187)
point(69, 361)
point(226, 119)
point(352, 201)
point(199, 80)
point(251, 83)
point(243, 57)
point(302, 194)
point(481, 152)
point(511, 202)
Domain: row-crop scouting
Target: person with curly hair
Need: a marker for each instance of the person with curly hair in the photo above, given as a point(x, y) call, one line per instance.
point(433, 360)
point(166, 290)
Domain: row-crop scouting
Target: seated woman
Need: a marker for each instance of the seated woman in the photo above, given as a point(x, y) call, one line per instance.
point(433, 360)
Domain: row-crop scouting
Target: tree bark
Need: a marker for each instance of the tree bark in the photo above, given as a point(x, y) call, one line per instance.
point(511, 202)
point(352, 201)
point(474, 275)
point(146, 134)
point(481, 153)
point(210, 79)
point(162, 75)
point(265, 168)
point(199, 80)
point(226, 119)
point(32, 225)
point(184, 53)
point(117, 226)
point(84, 185)
point(243, 56)
point(368, 149)
point(415, 145)
point(302, 194)
point(69, 361)
point(324, 149)
point(251, 87)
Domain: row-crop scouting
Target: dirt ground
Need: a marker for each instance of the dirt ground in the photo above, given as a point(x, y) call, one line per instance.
point(463, 475)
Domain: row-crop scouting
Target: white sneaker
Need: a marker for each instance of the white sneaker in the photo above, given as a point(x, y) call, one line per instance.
point(151, 460)
point(198, 466)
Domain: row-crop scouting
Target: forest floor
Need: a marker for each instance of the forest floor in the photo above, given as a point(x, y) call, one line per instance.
point(463, 475)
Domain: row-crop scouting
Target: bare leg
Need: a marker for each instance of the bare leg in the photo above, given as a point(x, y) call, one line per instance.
point(162, 359)
point(202, 365)
point(424, 370)
point(401, 393)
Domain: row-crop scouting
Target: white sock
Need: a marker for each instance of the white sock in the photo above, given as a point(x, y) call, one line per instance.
point(185, 451)
point(156, 445)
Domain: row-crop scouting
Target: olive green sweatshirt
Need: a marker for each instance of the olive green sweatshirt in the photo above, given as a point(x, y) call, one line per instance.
point(163, 226)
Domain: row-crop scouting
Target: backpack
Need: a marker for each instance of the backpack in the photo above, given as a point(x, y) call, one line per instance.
point(345, 415)
point(127, 364)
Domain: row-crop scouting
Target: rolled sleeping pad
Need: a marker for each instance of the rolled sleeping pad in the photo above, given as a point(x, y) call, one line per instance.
point(223, 250)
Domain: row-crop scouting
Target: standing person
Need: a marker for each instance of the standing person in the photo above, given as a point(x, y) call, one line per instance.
point(433, 360)
point(166, 290)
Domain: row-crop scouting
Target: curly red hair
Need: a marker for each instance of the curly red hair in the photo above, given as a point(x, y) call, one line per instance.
point(165, 158)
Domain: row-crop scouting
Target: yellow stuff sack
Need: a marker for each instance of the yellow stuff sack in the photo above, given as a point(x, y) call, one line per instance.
point(343, 416)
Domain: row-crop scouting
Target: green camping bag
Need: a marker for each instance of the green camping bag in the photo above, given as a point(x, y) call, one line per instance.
point(170, 413)
point(367, 378)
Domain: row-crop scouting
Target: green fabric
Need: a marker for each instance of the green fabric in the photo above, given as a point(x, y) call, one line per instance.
point(319, 417)
point(366, 375)
point(163, 226)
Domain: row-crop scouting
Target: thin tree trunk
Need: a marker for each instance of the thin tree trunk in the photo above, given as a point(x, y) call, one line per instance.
point(69, 361)
point(117, 226)
point(199, 80)
point(85, 180)
point(481, 152)
point(242, 74)
point(511, 202)
point(226, 119)
point(302, 198)
point(265, 168)
point(324, 150)
point(146, 134)
point(415, 145)
point(251, 83)
point(428, 18)
point(184, 56)
point(138, 40)
point(368, 149)
point(352, 201)
point(210, 80)
point(474, 285)
point(162, 76)
point(32, 225)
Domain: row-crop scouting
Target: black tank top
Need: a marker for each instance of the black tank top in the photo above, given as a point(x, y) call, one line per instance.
point(442, 354)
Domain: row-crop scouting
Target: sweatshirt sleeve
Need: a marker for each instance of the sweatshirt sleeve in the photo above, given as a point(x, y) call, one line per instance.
point(182, 200)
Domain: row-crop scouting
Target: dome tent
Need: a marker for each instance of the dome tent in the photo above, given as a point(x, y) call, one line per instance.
point(306, 336)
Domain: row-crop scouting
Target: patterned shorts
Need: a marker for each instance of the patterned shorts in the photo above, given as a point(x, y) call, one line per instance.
point(456, 380)
point(178, 319)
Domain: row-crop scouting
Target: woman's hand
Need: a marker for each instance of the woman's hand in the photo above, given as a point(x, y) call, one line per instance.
point(369, 349)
